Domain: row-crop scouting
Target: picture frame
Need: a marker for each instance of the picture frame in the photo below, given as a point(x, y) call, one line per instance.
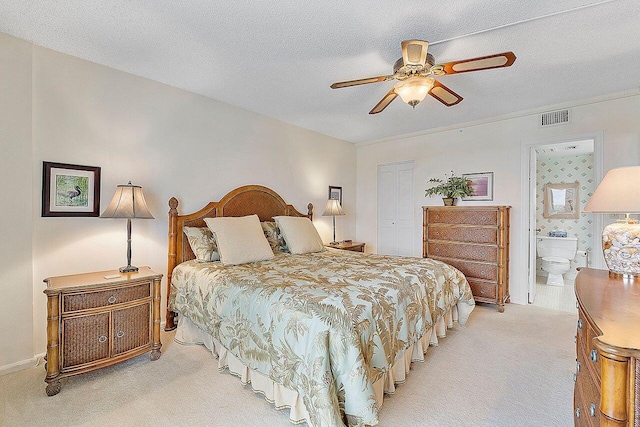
point(70, 190)
point(335, 193)
point(481, 185)
point(562, 200)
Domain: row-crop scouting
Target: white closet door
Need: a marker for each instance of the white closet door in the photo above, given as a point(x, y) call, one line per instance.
point(395, 209)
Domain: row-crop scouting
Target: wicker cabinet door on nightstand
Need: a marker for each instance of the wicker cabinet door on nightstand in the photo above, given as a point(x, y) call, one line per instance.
point(475, 240)
point(98, 319)
point(85, 339)
point(131, 328)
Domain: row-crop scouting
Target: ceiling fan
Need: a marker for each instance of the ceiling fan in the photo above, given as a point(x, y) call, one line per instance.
point(416, 72)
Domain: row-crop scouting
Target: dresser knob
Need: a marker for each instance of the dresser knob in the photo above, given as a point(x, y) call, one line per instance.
point(575, 338)
point(593, 356)
point(484, 218)
point(437, 233)
point(102, 339)
point(579, 323)
point(111, 299)
point(482, 291)
point(575, 378)
point(120, 334)
point(577, 412)
point(437, 249)
point(578, 367)
point(437, 216)
point(592, 409)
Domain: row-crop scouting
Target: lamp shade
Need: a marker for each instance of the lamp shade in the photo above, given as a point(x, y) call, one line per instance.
point(127, 202)
point(333, 208)
point(414, 89)
point(619, 192)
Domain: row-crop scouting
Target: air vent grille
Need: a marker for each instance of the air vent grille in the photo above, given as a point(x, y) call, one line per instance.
point(554, 118)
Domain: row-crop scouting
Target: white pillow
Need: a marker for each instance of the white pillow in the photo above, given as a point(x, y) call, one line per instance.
point(240, 239)
point(300, 234)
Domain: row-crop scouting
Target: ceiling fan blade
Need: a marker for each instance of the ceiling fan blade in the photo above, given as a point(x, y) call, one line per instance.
point(498, 60)
point(386, 100)
point(414, 52)
point(348, 83)
point(444, 94)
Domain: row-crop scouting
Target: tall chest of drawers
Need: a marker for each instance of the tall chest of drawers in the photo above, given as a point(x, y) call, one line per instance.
point(607, 388)
point(475, 240)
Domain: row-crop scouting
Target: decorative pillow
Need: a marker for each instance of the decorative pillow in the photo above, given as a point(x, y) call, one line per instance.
point(274, 237)
point(300, 234)
point(240, 240)
point(202, 243)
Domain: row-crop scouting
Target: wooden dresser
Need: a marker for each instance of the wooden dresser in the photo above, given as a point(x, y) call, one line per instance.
point(607, 389)
point(475, 240)
point(98, 319)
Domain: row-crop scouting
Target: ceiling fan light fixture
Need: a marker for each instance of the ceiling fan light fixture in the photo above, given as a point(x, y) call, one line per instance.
point(414, 89)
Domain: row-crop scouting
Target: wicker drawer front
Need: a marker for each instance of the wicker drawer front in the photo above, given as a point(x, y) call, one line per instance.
point(85, 339)
point(86, 300)
point(475, 269)
point(592, 353)
point(479, 217)
point(131, 328)
point(582, 333)
point(464, 234)
point(484, 290)
point(589, 391)
point(464, 251)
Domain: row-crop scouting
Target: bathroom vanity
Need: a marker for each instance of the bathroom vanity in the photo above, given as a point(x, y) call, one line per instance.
point(607, 378)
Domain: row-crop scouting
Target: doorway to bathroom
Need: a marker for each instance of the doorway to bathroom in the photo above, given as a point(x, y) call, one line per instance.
point(563, 174)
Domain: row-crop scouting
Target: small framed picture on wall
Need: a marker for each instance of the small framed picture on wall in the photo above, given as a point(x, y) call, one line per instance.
point(70, 190)
point(335, 193)
point(481, 185)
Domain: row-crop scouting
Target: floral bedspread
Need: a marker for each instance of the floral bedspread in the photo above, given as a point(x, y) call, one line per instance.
point(326, 324)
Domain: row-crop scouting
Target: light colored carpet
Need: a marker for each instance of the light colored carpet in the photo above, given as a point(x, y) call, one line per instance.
point(504, 369)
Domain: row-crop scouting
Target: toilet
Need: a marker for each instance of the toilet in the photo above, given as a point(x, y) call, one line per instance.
point(556, 254)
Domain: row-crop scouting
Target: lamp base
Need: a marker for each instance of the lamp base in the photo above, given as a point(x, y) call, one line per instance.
point(621, 248)
point(128, 269)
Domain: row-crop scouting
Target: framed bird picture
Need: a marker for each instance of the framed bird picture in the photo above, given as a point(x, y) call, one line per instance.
point(70, 190)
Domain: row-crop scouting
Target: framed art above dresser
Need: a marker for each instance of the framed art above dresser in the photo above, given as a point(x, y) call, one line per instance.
point(475, 240)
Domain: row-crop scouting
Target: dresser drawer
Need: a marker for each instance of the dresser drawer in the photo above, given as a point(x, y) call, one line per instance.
point(581, 333)
point(473, 269)
point(85, 339)
point(471, 252)
point(86, 300)
point(592, 355)
point(467, 216)
point(589, 391)
point(463, 234)
point(483, 289)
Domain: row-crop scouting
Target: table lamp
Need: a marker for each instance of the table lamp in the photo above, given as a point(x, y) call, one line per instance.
point(333, 208)
point(619, 193)
point(128, 202)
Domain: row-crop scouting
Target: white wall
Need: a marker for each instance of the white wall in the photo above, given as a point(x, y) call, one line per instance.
point(492, 146)
point(16, 279)
point(169, 141)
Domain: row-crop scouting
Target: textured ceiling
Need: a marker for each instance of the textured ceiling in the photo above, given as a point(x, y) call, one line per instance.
point(279, 58)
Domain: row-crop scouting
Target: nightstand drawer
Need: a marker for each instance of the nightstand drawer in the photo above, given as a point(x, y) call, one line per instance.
point(463, 251)
point(86, 300)
point(131, 328)
point(464, 234)
point(85, 339)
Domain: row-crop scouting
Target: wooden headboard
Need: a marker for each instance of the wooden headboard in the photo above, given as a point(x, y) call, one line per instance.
point(247, 200)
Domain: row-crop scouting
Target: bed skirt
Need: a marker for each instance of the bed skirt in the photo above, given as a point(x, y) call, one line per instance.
point(282, 397)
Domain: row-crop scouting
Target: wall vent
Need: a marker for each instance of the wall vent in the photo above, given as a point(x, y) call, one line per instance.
point(554, 118)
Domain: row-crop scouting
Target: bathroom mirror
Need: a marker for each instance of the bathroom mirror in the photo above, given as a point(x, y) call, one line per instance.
point(561, 200)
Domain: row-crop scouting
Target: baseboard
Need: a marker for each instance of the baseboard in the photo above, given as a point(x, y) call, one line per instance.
point(23, 364)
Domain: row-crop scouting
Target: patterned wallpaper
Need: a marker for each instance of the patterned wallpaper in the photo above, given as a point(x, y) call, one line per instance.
point(566, 170)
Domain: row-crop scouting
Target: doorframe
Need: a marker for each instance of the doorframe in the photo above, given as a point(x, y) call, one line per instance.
point(527, 201)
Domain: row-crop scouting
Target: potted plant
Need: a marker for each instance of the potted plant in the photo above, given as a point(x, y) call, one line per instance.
point(452, 188)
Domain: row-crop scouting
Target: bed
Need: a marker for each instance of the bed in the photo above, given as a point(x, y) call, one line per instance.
point(325, 333)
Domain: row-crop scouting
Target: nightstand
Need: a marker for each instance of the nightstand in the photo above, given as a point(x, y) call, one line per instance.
point(350, 246)
point(98, 319)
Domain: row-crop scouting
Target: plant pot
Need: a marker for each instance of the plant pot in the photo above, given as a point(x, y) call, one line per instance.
point(450, 201)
